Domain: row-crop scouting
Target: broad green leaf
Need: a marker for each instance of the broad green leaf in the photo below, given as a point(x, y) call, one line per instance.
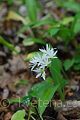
point(56, 64)
point(44, 92)
point(56, 73)
point(31, 41)
point(19, 115)
point(68, 64)
point(28, 42)
point(58, 79)
point(66, 20)
point(55, 69)
point(72, 5)
point(32, 9)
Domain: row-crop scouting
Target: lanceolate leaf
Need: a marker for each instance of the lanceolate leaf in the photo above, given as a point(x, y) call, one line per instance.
point(44, 92)
point(53, 31)
point(55, 69)
point(72, 5)
point(19, 115)
point(31, 41)
point(76, 24)
point(32, 9)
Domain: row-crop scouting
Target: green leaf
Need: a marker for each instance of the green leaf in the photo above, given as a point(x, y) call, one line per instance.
point(44, 92)
point(68, 64)
point(31, 41)
point(65, 34)
point(30, 56)
point(72, 5)
point(77, 59)
point(77, 67)
point(53, 31)
point(56, 64)
point(44, 21)
point(10, 2)
point(66, 20)
point(55, 69)
point(32, 8)
point(76, 24)
point(64, 82)
point(24, 100)
point(28, 42)
point(77, 62)
point(19, 115)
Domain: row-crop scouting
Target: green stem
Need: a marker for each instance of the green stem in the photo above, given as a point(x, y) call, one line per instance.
point(7, 44)
point(61, 93)
point(41, 117)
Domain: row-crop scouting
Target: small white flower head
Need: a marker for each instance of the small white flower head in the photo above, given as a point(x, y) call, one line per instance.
point(36, 61)
point(41, 61)
point(40, 72)
point(49, 52)
point(44, 62)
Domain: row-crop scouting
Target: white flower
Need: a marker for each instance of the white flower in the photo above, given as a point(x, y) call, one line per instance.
point(36, 61)
point(41, 61)
point(49, 52)
point(45, 61)
point(33, 63)
point(40, 72)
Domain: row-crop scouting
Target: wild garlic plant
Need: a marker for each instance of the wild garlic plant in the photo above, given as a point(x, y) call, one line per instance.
point(41, 61)
point(44, 91)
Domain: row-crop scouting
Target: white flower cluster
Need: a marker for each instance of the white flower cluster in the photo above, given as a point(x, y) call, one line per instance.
point(41, 61)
